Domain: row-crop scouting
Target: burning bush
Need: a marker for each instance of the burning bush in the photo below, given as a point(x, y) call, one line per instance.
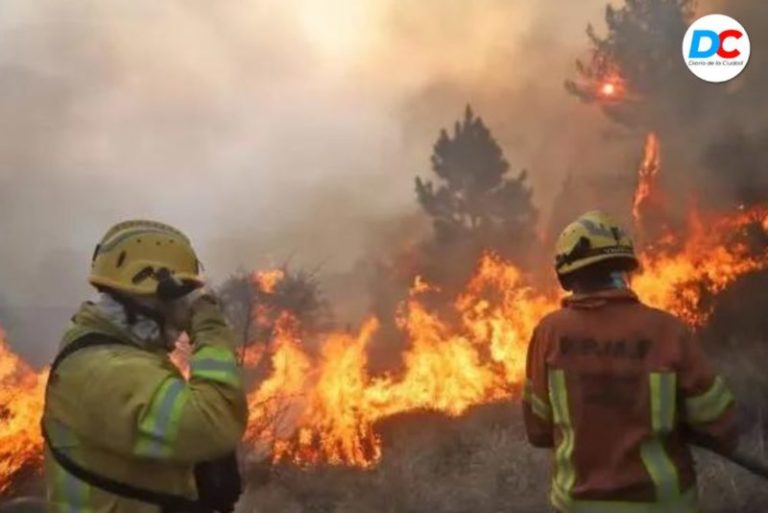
point(21, 401)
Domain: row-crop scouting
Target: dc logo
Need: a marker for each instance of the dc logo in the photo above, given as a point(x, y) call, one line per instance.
point(716, 48)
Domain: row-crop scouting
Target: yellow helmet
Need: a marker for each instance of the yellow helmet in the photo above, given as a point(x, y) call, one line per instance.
point(594, 237)
point(145, 258)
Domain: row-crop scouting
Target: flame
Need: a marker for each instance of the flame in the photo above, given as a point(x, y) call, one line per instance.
point(267, 281)
point(681, 271)
point(647, 173)
point(679, 275)
point(21, 404)
point(611, 88)
point(449, 366)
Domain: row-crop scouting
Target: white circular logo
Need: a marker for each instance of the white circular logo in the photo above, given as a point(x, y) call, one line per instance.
point(716, 48)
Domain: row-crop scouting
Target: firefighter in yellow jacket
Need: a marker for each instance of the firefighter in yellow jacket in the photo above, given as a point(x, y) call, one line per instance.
point(125, 431)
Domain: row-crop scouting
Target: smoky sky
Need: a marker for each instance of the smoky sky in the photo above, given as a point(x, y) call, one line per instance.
point(265, 129)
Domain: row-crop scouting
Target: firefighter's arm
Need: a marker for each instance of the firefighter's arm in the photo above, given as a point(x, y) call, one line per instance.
point(537, 412)
point(708, 406)
point(139, 404)
point(217, 410)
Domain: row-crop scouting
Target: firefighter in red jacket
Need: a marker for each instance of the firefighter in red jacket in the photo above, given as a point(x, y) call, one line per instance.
point(617, 388)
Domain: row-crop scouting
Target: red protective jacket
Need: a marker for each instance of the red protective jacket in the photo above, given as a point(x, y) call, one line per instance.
point(616, 387)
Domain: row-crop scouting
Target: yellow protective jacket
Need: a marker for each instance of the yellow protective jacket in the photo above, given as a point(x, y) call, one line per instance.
point(127, 413)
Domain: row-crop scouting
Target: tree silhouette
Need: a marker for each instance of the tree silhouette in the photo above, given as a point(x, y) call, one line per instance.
point(253, 311)
point(636, 72)
point(238, 296)
point(475, 201)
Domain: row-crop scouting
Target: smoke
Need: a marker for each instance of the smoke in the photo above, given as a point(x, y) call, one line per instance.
point(265, 129)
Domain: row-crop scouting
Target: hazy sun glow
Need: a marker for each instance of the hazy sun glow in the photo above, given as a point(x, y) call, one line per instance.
point(340, 30)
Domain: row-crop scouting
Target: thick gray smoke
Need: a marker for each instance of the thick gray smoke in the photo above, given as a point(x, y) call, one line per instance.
point(266, 129)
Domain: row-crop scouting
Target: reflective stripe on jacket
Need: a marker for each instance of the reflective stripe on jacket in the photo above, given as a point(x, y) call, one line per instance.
point(127, 413)
point(613, 386)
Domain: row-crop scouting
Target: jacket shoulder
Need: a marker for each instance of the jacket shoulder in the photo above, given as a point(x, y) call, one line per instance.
point(119, 357)
point(102, 369)
point(551, 320)
point(662, 320)
point(656, 319)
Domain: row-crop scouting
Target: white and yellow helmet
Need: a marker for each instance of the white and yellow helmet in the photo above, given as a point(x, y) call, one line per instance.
point(593, 237)
point(140, 257)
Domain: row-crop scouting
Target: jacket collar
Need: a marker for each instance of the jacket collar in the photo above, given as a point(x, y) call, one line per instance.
point(101, 317)
point(599, 298)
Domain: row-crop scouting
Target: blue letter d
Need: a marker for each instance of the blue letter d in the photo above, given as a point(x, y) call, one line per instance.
point(714, 44)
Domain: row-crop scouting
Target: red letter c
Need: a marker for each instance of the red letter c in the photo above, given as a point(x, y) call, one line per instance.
point(725, 35)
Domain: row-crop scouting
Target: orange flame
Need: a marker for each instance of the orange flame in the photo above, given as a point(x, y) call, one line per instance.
point(649, 169)
point(21, 405)
point(678, 275)
point(451, 366)
point(448, 367)
point(611, 87)
point(267, 281)
point(680, 272)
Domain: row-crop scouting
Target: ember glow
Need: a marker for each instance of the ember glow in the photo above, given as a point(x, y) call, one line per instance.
point(321, 405)
point(608, 89)
point(611, 88)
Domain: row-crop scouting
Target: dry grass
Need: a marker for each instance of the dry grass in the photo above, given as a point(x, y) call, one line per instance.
point(476, 464)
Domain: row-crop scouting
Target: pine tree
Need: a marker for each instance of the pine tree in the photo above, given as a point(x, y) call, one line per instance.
point(475, 200)
point(640, 57)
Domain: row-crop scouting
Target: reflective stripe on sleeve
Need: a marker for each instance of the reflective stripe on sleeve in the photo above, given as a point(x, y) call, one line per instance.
point(565, 475)
point(710, 405)
point(538, 405)
point(663, 391)
point(216, 364)
point(159, 426)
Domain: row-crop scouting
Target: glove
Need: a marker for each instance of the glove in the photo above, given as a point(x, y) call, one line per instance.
point(218, 483)
point(183, 310)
